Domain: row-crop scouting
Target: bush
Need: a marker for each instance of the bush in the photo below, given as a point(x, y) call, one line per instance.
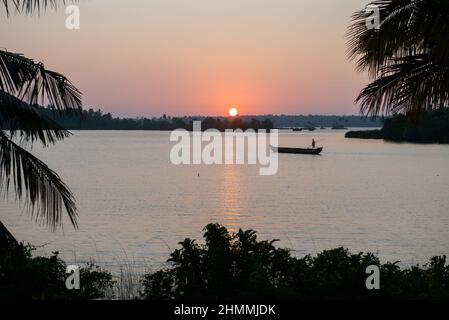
point(23, 276)
point(230, 266)
point(238, 266)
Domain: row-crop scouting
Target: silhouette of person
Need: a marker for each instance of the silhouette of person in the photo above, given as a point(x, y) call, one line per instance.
point(313, 144)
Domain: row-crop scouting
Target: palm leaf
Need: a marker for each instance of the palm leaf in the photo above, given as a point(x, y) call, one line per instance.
point(373, 48)
point(27, 122)
point(408, 57)
point(409, 85)
point(44, 192)
point(23, 84)
point(30, 6)
point(32, 83)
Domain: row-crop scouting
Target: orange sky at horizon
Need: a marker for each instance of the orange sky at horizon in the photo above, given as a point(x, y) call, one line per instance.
point(199, 57)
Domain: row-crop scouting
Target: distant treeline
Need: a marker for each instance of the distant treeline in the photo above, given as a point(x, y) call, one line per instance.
point(98, 120)
point(91, 119)
point(431, 127)
point(327, 121)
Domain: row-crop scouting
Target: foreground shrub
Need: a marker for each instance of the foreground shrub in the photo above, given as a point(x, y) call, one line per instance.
point(238, 266)
point(230, 266)
point(23, 276)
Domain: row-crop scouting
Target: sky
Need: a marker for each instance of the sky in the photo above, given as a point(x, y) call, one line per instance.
point(199, 57)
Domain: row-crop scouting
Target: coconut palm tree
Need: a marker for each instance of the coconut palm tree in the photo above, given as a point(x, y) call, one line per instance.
point(24, 84)
point(407, 57)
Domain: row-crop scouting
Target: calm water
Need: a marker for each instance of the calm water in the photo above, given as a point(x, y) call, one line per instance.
point(133, 204)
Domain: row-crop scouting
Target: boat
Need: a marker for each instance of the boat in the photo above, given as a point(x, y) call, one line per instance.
point(309, 128)
point(313, 151)
point(337, 126)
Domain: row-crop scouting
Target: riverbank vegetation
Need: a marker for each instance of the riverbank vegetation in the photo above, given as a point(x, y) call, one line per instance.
point(24, 276)
point(430, 127)
point(230, 266)
point(98, 120)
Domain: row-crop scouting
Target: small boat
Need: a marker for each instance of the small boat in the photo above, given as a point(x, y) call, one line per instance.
point(309, 128)
point(313, 151)
point(338, 127)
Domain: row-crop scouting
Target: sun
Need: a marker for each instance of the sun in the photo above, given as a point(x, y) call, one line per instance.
point(233, 112)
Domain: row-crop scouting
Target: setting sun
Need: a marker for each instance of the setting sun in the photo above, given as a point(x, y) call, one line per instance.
point(233, 112)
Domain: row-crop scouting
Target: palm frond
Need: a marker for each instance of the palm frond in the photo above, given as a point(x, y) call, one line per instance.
point(23, 84)
point(31, 6)
point(373, 48)
point(409, 85)
point(24, 121)
point(408, 56)
point(15, 71)
point(44, 192)
point(32, 83)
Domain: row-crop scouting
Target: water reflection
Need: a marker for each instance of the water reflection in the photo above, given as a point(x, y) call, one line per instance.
point(361, 194)
point(231, 197)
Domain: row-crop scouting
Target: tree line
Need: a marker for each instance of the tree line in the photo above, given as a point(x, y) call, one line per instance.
point(91, 119)
point(430, 127)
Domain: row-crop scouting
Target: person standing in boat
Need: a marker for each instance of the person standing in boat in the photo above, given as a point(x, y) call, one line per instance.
point(313, 143)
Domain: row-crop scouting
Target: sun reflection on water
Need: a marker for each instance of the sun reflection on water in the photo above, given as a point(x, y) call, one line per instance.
point(231, 198)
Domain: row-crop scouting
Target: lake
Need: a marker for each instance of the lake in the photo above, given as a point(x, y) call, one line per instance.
point(134, 205)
